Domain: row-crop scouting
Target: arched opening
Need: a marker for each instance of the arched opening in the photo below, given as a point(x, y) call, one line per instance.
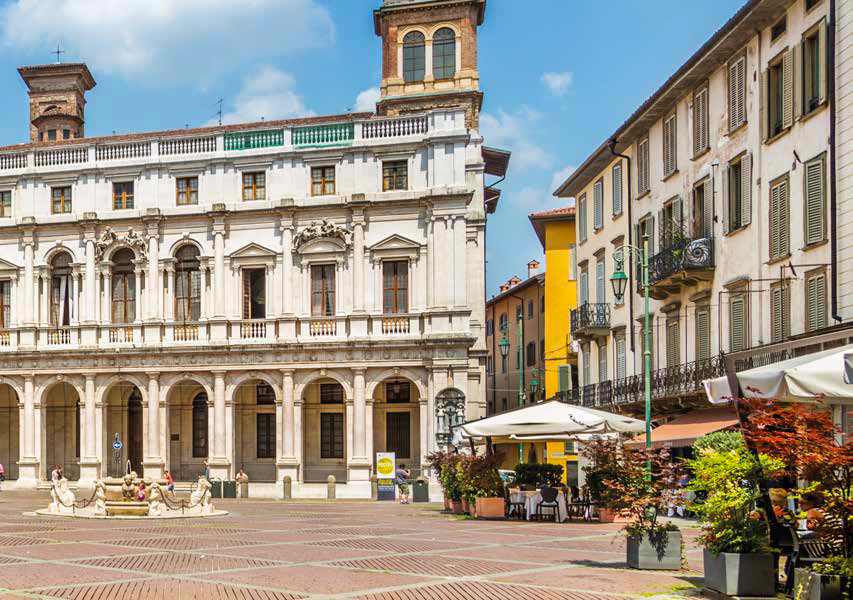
point(324, 431)
point(187, 284)
point(255, 442)
point(188, 430)
point(124, 287)
point(124, 419)
point(414, 61)
point(397, 422)
point(60, 290)
point(9, 431)
point(444, 53)
point(61, 443)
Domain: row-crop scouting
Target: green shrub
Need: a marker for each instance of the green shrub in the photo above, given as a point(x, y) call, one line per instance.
point(719, 441)
point(538, 474)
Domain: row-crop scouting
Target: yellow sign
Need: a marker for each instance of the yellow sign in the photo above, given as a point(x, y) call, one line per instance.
point(385, 466)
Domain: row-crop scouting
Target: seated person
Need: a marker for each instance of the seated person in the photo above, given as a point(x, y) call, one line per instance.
point(810, 511)
point(779, 499)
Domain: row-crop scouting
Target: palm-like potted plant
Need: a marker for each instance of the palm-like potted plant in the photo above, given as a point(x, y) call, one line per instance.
point(626, 485)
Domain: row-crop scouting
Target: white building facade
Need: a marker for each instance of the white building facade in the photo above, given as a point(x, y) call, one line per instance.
point(286, 298)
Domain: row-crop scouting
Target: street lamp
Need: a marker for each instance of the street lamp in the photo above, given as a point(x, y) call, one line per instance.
point(503, 345)
point(619, 280)
point(534, 387)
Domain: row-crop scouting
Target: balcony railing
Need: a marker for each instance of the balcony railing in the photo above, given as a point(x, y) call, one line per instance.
point(682, 263)
point(247, 140)
point(121, 335)
point(253, 330)
point(323, 328)
point(186, 333)
point(59, 337)
point(395, 326)
point(591, 318)
point(336, 134)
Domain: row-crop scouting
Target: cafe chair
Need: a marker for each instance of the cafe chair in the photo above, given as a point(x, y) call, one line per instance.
point(548, 503)
point(510, 507)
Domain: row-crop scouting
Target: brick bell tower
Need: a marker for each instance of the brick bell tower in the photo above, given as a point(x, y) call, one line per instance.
point(57, 100)
point(429, 56)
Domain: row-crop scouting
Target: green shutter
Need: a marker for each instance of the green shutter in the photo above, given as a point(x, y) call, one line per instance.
point(620, 358)
point(788, 89)
point(703, 334)
point(814, 201)
point(816, 302)
point(563, 378)
point(673, 344)
point(746, 189)
point(602, 361)
point(737, 323)
point(616, 186)
point(598, 204)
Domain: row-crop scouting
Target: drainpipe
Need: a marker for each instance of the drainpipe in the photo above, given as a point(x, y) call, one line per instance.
point(630, 224)
point(833, 220)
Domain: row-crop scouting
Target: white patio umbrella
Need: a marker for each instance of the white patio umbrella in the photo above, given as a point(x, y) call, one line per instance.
point(812, 377)
point(549, 420)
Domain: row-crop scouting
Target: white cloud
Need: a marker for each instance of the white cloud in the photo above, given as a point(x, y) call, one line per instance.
point(267, 93)
point(185, 41)
point(560, 176)
point(557, 83)
point(512, 131)
point(366, 100)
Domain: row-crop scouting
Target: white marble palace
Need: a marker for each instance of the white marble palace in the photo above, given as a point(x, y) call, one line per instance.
point(286, 297)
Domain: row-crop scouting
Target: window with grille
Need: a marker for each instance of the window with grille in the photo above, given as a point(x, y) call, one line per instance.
point(738, 322)
point(200, 425)
point(673, 343)
point(395, 287)
point(331, 393)
point(254, 186)
point(779, 219)
point(122, 195)
point(124, 287)
point(187, 191)
point(414, 56)
point(531, 354)
point(815, 201)
point(582, 218)
point(813, 66)
point(444, 53)
point(60, 290)
point(6, 203)
point(616, 189)
point(670, 146)
point(60, 200)
point(780, 312)
point(395, 175)
point(398, 437)
point(187, 284)
point(701, 138)
point(5, 303)
point(322, 181)
point(620, 358)
point(816, 312)
point(264, 394)
point(266, 435)
point(331, 435)
point(322, 290)
point(737, 92)
point(598, 204)
point(254, 293)
point(703, 333)
point(643, 177)
point(398, 392)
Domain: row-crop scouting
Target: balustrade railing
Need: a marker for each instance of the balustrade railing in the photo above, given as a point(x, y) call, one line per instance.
point(248, 140)
point(335, 134)
point(121, 335)
point(590, 316)
point(395, 326)
point(123, 151)
point(186, 333)
point(59, 337)
point(681, 255)
point(253, 330)
point(189, 145)
point(5, 338)
point(323, 328)
point(12, 161)
point(62, 156)
point(385, 128)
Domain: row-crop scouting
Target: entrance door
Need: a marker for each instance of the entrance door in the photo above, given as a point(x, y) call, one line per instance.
point(134, 431)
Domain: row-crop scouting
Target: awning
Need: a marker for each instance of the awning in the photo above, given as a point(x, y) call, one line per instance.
point(550, 419)
point(685, 429)
point(808, 378)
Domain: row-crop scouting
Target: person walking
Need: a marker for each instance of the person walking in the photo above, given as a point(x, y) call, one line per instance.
point(2, 473)
point(402, 476)
point(242, 478)
point(170, 482)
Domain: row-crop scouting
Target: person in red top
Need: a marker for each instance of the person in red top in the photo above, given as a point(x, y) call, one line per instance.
point(170, 483)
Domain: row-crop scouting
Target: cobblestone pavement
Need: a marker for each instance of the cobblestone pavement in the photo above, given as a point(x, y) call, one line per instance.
point(318, 550)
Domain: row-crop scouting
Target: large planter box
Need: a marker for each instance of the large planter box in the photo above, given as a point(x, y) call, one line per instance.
point(605, 515)
point(456, 507)
point(740, 574)
point(813, 586)
point(661, 552)
point(489, 508)
point(466, 506)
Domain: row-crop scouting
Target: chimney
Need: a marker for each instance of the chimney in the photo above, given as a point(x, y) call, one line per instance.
point(504, 287)
point(57, 100)
point(513, 282)
point(532, 268)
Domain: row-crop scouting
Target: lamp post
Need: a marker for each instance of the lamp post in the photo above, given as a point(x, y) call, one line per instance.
point(619, 281)
point(534, 387)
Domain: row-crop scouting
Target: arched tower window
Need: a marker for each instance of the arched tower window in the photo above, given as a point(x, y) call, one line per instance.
point(414, 62)
point(60, 290)
point(187, 284)
point(200, 425)
point(124, 287)
point(444, 54)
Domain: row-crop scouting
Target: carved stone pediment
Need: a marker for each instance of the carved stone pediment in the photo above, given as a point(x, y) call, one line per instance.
point(322, 230)
point(108, 239)
point(322, 246)
point(252, 250)
point(395, 242)
point(7, 266)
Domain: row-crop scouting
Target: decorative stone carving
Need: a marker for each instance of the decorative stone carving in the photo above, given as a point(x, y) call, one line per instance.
point(200, 498)
point(100, 499)
point(62, 499)
point(155, 501)
point(324, 229)
point(449, 413)
point(128, 488)
point(131, 239)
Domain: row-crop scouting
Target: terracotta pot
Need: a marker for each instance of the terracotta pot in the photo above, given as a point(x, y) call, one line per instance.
point(489, 508)
point(466, 506)
point(606, 515)
point(446, 502)
point(456, 507)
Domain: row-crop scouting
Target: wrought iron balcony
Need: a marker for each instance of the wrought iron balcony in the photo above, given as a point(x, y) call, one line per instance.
point(591, 319)
point(684, 263)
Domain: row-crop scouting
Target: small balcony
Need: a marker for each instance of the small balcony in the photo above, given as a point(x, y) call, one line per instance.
point(591, 320)
point(685, 262)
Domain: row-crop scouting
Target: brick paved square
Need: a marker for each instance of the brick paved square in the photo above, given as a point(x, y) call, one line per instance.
point(298, 553)
point(608, 578)
point(30, 575)
point(67, 551)
point(175, 563)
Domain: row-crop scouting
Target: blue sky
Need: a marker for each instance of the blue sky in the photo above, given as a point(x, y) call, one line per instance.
point(558, 75)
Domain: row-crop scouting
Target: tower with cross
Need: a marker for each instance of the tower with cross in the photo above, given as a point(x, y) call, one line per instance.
point(57, 99)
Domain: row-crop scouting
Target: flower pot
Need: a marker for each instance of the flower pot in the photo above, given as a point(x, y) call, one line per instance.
point(606, 515)
point(489, 508)
point(740, 574)
point(466, 506)
point(813, 586)
point(659, 551)
point(446, 502)
point(456, 507)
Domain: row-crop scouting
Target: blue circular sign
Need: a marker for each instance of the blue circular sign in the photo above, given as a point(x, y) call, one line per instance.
point(117, 445)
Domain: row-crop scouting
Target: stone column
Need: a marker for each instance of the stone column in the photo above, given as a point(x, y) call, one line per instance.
point(287, 266)
point(430, 270)
point(138, 290)
point(219, 415)
point(288, 414)
point(368, 430)
point(358, 263)
point(88, 433)
point(90, 291)
point(44, 299)
point(348, 402)
point(423, 422)
point(360, 417)
point(153, 265)
point(297, 434)
point(29, 284)
point(219, 274)
point(75, 295)
point(153, 441)
point(269, 276)
point(91, 427)
point(15, 313)
point(29, 419)
point(106, 275)
point(460, 262)
point(422, 278)
point(169, 301)
point(202, 275)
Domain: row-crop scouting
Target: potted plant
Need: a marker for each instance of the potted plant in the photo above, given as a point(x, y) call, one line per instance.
point(738, 560)
point(626, 485)
point(831, 579)
point(531, 476)
point(445, 464)
point(598, 471)
point(486, 487)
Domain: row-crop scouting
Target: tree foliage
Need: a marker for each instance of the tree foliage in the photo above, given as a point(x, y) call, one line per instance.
point(719, 441)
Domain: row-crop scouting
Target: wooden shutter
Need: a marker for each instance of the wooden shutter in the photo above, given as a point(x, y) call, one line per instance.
point(678, 213)
point(708, 206)
point(620, 358)
point(737, 323)
point(822, 72)
point(798, 80)
point(764, 114)
point(700, 121)
point(574, 250)
point(778, 313)
point(662, 230)
point(788, 89)
point(586, 368)
point(598, 204)
point(600, 287)
point(602, 361)
point(617, 188)
point(816, 302)
point(737, 93)
point(582, 217)
point(814, 201)
point(779, 225)
point(726, 195)
point(784, 219)
point(669, 145)
point(703, 334)
point(746, 189)
point(563, 378)
point(673, 346)
point(584, 287)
